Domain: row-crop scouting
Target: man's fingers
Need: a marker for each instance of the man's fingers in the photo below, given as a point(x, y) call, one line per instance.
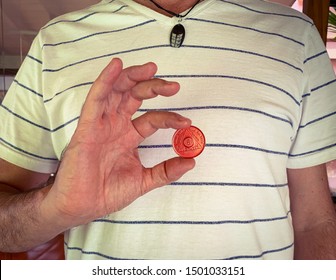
point(114, 79)
point(152, 88)
point(100, 89)
point(130, 103)
point(150, 122)
point(125, 89)
point(166, 172)
point(133, 75)
point(104, 83)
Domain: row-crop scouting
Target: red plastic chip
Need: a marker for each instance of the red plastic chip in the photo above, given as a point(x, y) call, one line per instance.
point(188, 142)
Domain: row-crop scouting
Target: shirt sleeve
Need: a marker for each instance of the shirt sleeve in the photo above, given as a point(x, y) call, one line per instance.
point(25, 134)
point(315, 141)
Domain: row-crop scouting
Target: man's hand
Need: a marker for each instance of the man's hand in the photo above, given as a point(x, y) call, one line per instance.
point(100, 171)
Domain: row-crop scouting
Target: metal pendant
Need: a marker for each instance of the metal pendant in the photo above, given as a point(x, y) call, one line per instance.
point(177, 36)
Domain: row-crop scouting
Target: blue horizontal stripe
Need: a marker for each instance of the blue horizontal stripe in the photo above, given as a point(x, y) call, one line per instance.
point(104, 56)
point(315, 56)
point(233, 146)
point(228, 184)
point(65, 124)
point(35, 59)
point(268, 13)
point(306, 95)
point(261, 254)
point(190, 222)
point(74, 20)
point(313, 151)
point(69, 88)
point(323, 85)
point(218, 108)
point(178, 76)
point(96, 34)
point(84, 17)
point(81, 18)
point(155, 146)
point(38, 125)
point(245, 52)
point(250, 29)
point(318, 119)
point(85, 252)
point(231, 77)
point(24, 119)
point(27, 88)
point(26, 152)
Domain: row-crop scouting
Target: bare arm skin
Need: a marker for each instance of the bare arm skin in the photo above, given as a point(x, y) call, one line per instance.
point(100, 172)
point(314, 215)
point(17, 202)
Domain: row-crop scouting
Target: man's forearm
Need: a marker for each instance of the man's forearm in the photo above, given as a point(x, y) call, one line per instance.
point(318, 243)
point(22, 223)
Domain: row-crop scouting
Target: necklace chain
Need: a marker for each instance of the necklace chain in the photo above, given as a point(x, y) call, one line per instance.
point(172, 13)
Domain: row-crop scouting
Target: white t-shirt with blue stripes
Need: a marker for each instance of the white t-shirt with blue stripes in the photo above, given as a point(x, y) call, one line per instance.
point(255, 78)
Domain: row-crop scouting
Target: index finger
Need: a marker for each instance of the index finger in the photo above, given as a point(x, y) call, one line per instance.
point(132, 75)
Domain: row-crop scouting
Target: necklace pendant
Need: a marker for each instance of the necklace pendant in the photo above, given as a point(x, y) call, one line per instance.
point(177, 36)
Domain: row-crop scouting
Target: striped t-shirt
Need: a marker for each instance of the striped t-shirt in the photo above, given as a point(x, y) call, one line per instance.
point(255, 78)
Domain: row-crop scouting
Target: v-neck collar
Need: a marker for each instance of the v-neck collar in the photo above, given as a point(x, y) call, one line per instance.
point(163, 18)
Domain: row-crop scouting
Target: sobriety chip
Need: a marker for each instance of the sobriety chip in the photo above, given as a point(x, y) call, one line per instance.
point(188, 142)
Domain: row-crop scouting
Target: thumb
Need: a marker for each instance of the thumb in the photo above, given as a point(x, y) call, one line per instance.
point(167, 172)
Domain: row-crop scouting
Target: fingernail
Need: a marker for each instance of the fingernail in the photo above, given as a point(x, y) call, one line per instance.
point(169, 83)
point(184, 120)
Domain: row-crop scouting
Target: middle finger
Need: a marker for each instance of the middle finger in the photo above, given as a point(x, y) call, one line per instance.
point(150, 122)
point(131, 102)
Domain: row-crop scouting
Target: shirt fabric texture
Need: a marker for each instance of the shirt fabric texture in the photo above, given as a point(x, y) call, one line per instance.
point(255, 78)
